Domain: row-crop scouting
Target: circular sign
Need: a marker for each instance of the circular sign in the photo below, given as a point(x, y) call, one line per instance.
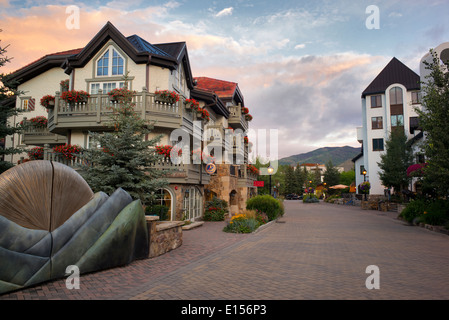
point(210, 168)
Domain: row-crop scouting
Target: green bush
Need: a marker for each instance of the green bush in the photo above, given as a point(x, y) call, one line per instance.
point(414, 210)
point(272, 207)
point(310, 198)
point(436, 213)
point(241, 224)
point(215, 210)
point(157, 210)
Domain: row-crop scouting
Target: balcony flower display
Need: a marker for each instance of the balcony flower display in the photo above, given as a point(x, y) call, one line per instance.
point(192, 104)
point(121, 94)
point(166, 150)
point(36, 153)
point(167, 96)
point(68, 151)
point(75, 96)
point(39, 122)
point(252, 169)
point(64, 85)
point(245, 110)
point(48, 101)
point(204, 114)
point(248, 117)
point(245, 139)
point(198, 155)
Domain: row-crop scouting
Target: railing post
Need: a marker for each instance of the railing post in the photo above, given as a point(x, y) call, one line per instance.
point(46, 151)
point(144, 103)
point(56, 108)
point(99, 105)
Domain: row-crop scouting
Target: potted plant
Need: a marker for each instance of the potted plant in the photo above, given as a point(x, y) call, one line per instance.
point(192, 104)
point(121, 94)
point(74, 96)
point(248, 117)
point(245, 110)
point(39, 122)
point(48, 101)
point(166, 96)
point(364, 187)
point(64, 85)
point(203, 114)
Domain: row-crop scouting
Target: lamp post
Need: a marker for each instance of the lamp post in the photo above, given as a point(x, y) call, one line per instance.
point(364, 179)
point(270, 172)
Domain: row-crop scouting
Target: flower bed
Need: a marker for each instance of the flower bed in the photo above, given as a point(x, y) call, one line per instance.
point(246, 222)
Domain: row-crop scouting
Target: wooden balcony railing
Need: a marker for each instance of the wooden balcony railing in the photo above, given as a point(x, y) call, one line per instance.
point(95, 113)
point(237, 118)
point(38, 136)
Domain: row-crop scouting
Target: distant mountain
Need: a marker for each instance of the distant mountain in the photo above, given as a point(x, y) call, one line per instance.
point(338, 155)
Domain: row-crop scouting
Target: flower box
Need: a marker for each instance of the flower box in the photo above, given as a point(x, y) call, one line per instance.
point(121, 95)
point(48, 101)
point(248, 117)
point(192, 104)
point(166, 96)
point(74, 96)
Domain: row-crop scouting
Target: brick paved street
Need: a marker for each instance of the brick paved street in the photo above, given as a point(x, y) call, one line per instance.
point(316, 251)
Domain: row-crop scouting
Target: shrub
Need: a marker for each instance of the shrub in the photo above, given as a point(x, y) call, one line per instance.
point(272, 207)
point(414, 210)
point(216, 209)
point(436, 213)
point(310, 198)
point(157, 210)
point(241, 223)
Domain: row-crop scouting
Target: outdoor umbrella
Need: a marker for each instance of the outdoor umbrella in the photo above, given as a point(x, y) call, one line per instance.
point(339, 186)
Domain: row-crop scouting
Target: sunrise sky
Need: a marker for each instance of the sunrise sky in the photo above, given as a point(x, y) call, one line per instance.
point(301, 65)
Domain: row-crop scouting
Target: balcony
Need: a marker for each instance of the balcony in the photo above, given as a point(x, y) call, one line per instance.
point(38, 136)
point(176, 173)
point(246, 177)
point(360, 134)
point(95, 113)
point(237, 118)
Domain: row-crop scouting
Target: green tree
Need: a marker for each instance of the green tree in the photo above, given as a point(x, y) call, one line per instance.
point(347, 177)
point(300, 177)
point(332, 175)
point(395, 161)
point(123, 159)
point(8, 95)
point(434, 120)
point(290, 182)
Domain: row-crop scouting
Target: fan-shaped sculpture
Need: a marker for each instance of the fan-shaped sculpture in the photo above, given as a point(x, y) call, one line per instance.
point(50, 219)
point(42, 194)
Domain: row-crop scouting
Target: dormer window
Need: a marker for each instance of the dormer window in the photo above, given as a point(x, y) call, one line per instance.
point(111, 63)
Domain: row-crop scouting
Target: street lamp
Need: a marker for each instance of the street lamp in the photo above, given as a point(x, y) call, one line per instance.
point(364, 179)
point(270, 172)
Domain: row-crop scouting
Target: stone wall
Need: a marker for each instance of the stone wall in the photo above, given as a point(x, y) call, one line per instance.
point(164, 236)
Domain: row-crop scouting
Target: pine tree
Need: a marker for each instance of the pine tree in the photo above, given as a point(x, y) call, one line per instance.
point(434, 120)
point(122, 158)
point(331, 176)
point(395, 161)
point(8, 96)
point(300, 177)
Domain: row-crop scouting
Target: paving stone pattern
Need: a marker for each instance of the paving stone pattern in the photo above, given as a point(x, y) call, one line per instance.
point(316, 251)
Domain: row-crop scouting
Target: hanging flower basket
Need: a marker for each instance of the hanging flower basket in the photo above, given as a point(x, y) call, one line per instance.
point(166, 96)
point(74, 96)
point(192, 104)
point(48, 101)
point(245, 110)
point(364, 187)
point(248, 117)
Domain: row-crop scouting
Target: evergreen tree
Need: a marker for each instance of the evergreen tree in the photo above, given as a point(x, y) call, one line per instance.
point(395, 161)
point(8, 96)
point(290, 180)
point(434, 120)
point(300, 177)
point(332, 175)
point(123, 159)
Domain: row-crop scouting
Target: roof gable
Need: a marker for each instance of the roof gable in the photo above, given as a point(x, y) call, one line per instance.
point(394, 72)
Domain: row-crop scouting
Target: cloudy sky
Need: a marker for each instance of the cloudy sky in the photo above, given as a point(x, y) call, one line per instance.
point(301, 65)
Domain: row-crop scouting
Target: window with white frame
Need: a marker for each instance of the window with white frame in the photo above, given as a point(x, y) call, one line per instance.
point(111, 63)
point(105, 86)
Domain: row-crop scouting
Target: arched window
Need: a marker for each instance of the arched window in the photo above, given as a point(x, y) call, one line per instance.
point(395, 95)
point(111, 63)
point(192, 203)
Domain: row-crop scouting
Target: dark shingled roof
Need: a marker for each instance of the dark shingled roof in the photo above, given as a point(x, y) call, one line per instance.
point(142, 45)
point(394, 72)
